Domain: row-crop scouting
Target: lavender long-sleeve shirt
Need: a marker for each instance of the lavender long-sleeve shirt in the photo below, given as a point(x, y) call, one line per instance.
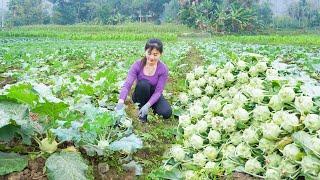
point(158, 80)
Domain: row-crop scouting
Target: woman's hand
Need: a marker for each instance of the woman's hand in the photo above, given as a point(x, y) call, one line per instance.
point(120, 105)
point(144, 110)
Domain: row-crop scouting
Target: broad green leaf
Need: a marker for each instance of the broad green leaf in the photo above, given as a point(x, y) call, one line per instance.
point(69, 134)
point(161, 173)
point(23, 93)
point(10, 162)
point(51, 109)
point(86, 89)
point(127, 144)
point(12, 111)
point(45, 92)
point(8, 132)
point(66, 165)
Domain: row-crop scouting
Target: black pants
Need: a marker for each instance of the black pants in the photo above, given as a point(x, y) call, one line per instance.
point(142, 94)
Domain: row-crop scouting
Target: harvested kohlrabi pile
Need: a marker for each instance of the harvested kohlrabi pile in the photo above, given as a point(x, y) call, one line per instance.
point(245, 116)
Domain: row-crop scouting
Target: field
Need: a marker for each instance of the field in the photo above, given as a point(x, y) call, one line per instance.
point(59, 86)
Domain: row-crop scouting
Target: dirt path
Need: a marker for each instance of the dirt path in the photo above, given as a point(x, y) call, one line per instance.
point(158, 134)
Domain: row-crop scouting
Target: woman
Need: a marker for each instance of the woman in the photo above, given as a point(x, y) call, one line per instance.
point(151, 75)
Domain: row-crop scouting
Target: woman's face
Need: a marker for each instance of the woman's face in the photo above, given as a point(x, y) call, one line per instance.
point(153, 56)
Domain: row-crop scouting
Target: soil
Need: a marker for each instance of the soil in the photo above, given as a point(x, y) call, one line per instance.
point(34, 171)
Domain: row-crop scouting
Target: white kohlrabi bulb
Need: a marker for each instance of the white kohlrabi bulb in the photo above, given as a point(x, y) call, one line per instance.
point(183, 97)
point(310, 165)
point(205, 100)
point(210, 152)
point(256, 83)
point(229, 66)
point(199, 159)
point(228, 110)
point(216, 122)
point(287, 168)
point(201, 82)
point(229, 125)
point(190, 76)
point(253, 166)
point(241, 114)
point(198, 71)
point(279, 116)
point(229, 151)
point(177, 152)
point(290, 122)
point(241, 65)
point(196, 111)
point(291, 151)
point(250, 136)
point(286, 94)
point(196, 92)
point(261, 113)
point(209, 90)
point(214, 106)
point(211, 81)
point(236, 138)
point(243, 77)
point(220, 73)
point(253, 71)
point(273, 160)
point(275, 103)
point(267, 146)
point(243, 151)
point(273, 174)
point(196, 141)
point(190, 175)
point(239, 99)
point(212, 69)
point(184, 120)
point(272, 74)
point(214, 136)
point(312, 122)
point(189, 130)
point(261, 66)
point(271, 131)
point(210, 166)
point(193, 84)
point(219, 83)
point(232, 91)
point(303, 104)
point(257, 95)
point(229, 77)
point(201, 126)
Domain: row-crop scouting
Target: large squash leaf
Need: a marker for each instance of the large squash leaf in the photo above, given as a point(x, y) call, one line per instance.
point(128, 144)
point(51, 109)
point(66, 165)
point(23, 93)
point(12, 111)
point(10, 162)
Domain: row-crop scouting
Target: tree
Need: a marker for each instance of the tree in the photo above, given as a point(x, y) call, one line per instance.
point(265, 13)
point(171, 10)
point(27, 12)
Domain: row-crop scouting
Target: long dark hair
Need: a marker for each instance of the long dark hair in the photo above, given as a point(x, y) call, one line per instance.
point(150, 45)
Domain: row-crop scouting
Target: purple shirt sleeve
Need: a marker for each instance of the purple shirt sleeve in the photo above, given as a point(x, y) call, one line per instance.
point(160, 86)
point(132, 76)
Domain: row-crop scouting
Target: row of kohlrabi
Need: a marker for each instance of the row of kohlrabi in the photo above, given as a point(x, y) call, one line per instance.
point(246, 116)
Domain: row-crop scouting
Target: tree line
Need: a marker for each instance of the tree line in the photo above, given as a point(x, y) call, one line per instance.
point(210, 15)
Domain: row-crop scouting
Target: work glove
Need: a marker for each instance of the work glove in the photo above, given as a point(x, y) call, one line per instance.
point(144, 110)
point(119, 106)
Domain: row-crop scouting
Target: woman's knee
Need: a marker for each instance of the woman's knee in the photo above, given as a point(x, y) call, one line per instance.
point(166, 113)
